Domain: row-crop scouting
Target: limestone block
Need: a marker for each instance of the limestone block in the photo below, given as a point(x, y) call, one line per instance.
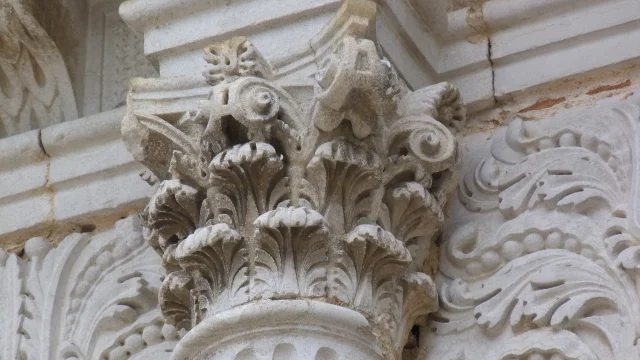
point(67, 176)
point(100, 195)
point(22, 164)
point(23, 213)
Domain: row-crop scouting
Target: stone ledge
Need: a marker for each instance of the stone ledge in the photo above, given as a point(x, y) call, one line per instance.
point(62, 178)
point(489, 51)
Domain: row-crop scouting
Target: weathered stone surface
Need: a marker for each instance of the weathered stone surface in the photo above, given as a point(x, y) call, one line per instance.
point(541, 253)
point(310, 234)
point(262, 199)
point(35, 88)
point(92, 297)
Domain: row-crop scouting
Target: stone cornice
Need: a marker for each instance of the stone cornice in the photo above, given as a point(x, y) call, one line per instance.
point(487, 52)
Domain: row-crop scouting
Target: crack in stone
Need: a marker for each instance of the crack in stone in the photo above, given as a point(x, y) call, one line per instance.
point(44, 151)
point(493, 70)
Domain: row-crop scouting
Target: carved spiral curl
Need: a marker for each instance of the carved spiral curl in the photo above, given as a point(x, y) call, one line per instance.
point(426, 139)
point(441, 101)
point(254, 102)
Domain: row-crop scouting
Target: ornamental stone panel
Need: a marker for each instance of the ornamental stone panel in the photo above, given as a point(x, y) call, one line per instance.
point(285, 179)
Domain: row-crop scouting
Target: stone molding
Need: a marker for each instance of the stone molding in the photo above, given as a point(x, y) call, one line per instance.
point(541, 253)
point(262, 197)
point(71, 175)
point(92, 297)
point(490, 51)
point(35, 88)
point(495, 49)
point(281, 330)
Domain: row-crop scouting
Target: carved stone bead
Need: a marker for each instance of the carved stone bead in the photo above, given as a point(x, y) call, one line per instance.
point(78, 301)
point(547, 195)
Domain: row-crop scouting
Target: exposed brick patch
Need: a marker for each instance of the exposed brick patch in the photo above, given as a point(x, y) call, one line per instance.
point(543, 104)
point(600, 89)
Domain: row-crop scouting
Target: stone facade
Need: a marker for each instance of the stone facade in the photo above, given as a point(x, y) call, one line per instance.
point(319, 179)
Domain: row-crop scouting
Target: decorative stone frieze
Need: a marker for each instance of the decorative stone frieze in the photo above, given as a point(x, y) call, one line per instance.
point(541, 253)
point(92, 297)
point(271, 209)
point(35, 89)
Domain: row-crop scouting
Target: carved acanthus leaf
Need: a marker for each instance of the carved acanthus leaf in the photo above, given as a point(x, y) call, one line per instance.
point(291, 252)
point(260, 201)
point(243, 181)
point(542, 260)
point(346, 177)
point(92, 297)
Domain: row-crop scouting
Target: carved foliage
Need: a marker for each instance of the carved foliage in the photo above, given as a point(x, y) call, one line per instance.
point(35, 89)
point(92, 297)
point(234, 57)
point(263, 202)
point(541, 266)
point(291, 254)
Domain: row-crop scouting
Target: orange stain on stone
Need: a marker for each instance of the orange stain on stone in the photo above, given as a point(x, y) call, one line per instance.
point(543, 104)
point(609, 87)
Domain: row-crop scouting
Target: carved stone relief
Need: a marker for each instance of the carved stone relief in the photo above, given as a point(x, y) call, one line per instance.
point(261, 200)
point(123, 59)
point(541, 253)
point(35, 89)
point(92, 297)
point(115, 53)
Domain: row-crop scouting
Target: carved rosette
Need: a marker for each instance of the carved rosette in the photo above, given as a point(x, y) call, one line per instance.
point(259, 201)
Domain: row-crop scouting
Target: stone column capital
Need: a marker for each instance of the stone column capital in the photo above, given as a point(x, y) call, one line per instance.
point(262, 198)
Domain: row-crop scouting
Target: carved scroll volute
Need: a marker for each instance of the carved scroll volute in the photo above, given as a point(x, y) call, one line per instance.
point(259, 202)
